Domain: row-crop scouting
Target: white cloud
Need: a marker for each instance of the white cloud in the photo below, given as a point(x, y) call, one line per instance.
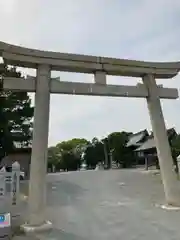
point(126, 29)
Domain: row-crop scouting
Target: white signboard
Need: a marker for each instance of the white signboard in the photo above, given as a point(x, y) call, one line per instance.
point(5, 220)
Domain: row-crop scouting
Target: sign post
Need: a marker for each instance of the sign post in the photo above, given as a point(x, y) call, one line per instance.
point(5, 225)
point(5, 218)
point(15, 184)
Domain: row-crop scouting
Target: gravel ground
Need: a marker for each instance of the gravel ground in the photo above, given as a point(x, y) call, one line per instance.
point(114, 204)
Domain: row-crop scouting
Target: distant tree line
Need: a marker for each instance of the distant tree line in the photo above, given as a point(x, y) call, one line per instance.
point(69, 155)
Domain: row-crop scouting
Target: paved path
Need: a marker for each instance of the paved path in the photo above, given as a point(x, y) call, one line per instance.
point(117, 204)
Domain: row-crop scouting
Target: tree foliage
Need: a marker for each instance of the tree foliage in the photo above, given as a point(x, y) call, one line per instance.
point(175, 143)
point(15, 115)
point(117, 141)
point(94, 153)
point(67, 155)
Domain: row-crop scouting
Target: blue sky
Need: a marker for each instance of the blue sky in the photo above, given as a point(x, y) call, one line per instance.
point(134, 29)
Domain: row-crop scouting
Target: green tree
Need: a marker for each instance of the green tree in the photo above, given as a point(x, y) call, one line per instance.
point(94, 153)
point(115, 144)
point(175, 145)
point(67, 155)
point(53, 158)
point(121, 154)
point(70, 161)
point(72, 144)
point(15, 115)
point(175, 149)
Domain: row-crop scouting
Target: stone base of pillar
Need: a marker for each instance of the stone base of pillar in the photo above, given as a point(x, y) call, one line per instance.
point(170, 207)
point(27, 228)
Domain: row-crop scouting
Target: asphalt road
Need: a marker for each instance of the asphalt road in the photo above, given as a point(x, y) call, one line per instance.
point(115, 204)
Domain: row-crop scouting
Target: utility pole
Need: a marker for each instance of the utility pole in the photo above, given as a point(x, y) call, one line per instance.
point(105, 156)
point(104, 142)
point(111, 157)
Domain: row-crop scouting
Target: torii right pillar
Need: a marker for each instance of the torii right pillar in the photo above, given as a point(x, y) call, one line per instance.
point(169, 179)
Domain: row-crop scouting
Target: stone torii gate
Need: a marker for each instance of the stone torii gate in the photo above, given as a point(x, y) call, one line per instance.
point(43, 85)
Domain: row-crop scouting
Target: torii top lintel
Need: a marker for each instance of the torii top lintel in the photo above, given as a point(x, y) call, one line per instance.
point(30, 58)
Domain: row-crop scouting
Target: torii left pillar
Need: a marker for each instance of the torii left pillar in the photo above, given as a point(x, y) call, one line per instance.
point(37, 185)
